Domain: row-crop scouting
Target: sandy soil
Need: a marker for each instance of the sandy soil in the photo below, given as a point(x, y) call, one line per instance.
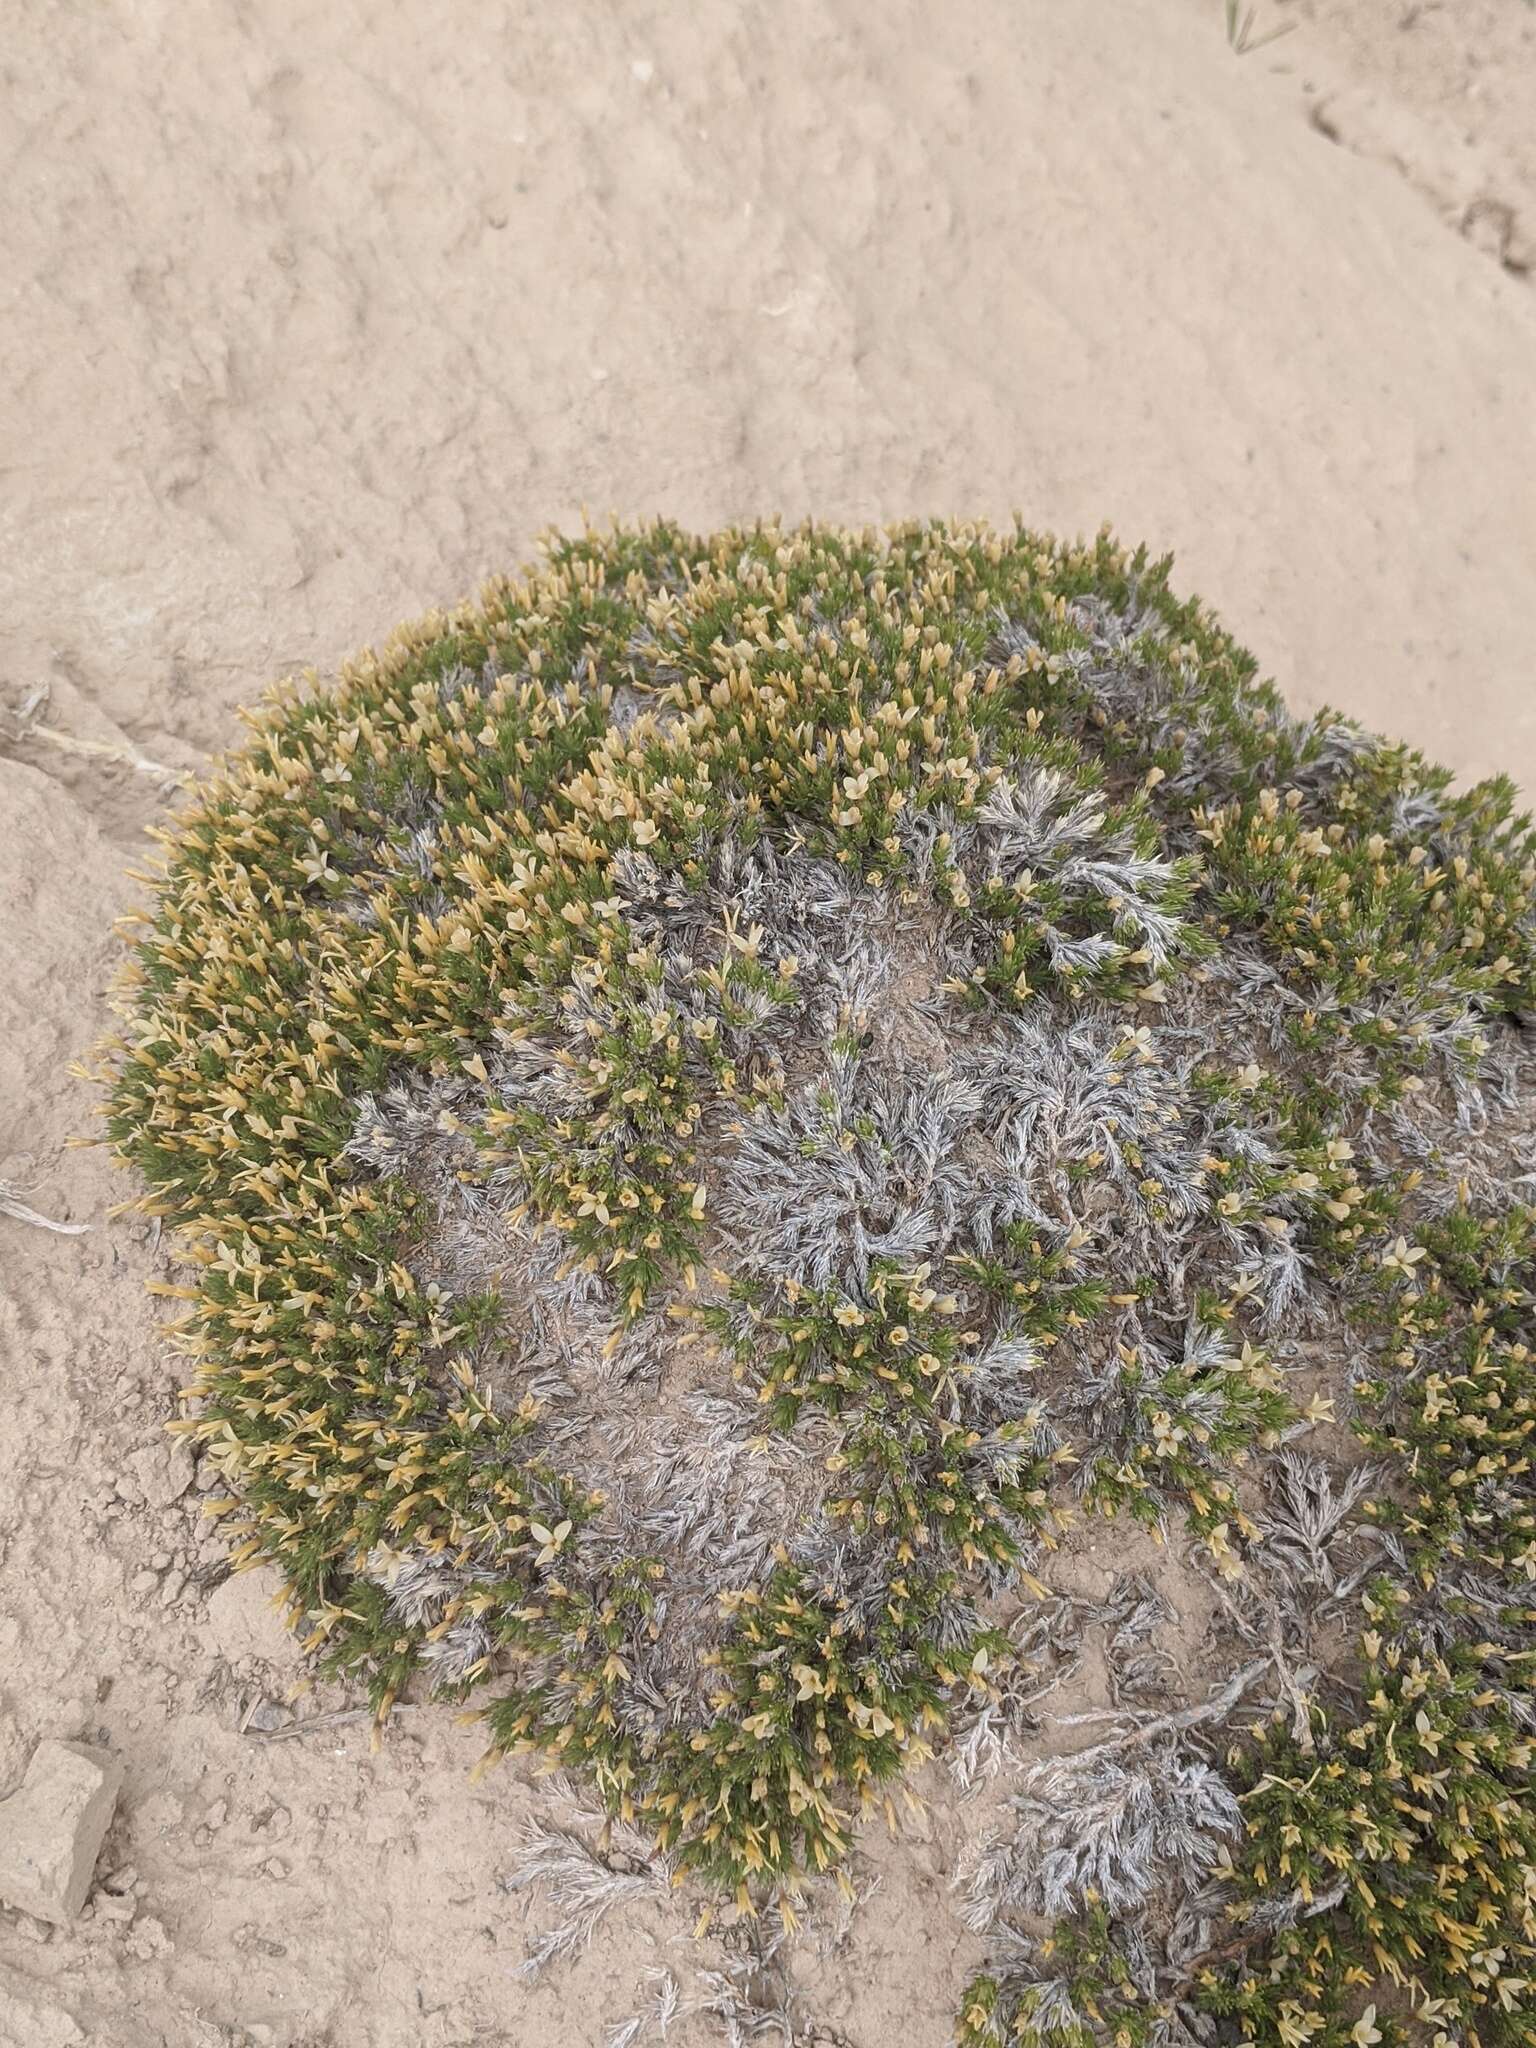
point(314, 315)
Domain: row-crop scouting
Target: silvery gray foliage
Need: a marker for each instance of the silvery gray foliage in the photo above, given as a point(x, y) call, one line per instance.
point(1057, 1093)
point(1156, 1970)
point(1309, 1516)
point(664, 2004)
point(751, 1993)
point(736, 1999)
point(893, 1159)
point(1115, 1823)
point(855, 1575)
point(790, 907)
point(1002, 1383)
point(1140, 1670)
point(394, 1127)
point(1047, 1642)
point(701, 1486)
point(805, 906)
point(580, 1881)
point(989, 1732)
point(706, 1489)
point(1053, 1093)
point(1038, 824)
point(861, 1166)
point(1171, 712)
point(420, 1588)
point(1106, 1397)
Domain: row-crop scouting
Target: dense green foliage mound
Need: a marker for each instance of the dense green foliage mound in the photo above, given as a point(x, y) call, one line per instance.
point(727, 1100)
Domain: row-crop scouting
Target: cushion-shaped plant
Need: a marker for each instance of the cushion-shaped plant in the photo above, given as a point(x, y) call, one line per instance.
point(727, 1099)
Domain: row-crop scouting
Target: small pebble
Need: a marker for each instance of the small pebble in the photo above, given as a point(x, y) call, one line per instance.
point(74, 1718)
point(148, 1939)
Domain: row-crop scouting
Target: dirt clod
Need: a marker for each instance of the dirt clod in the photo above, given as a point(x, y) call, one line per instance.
point(52, 1829)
